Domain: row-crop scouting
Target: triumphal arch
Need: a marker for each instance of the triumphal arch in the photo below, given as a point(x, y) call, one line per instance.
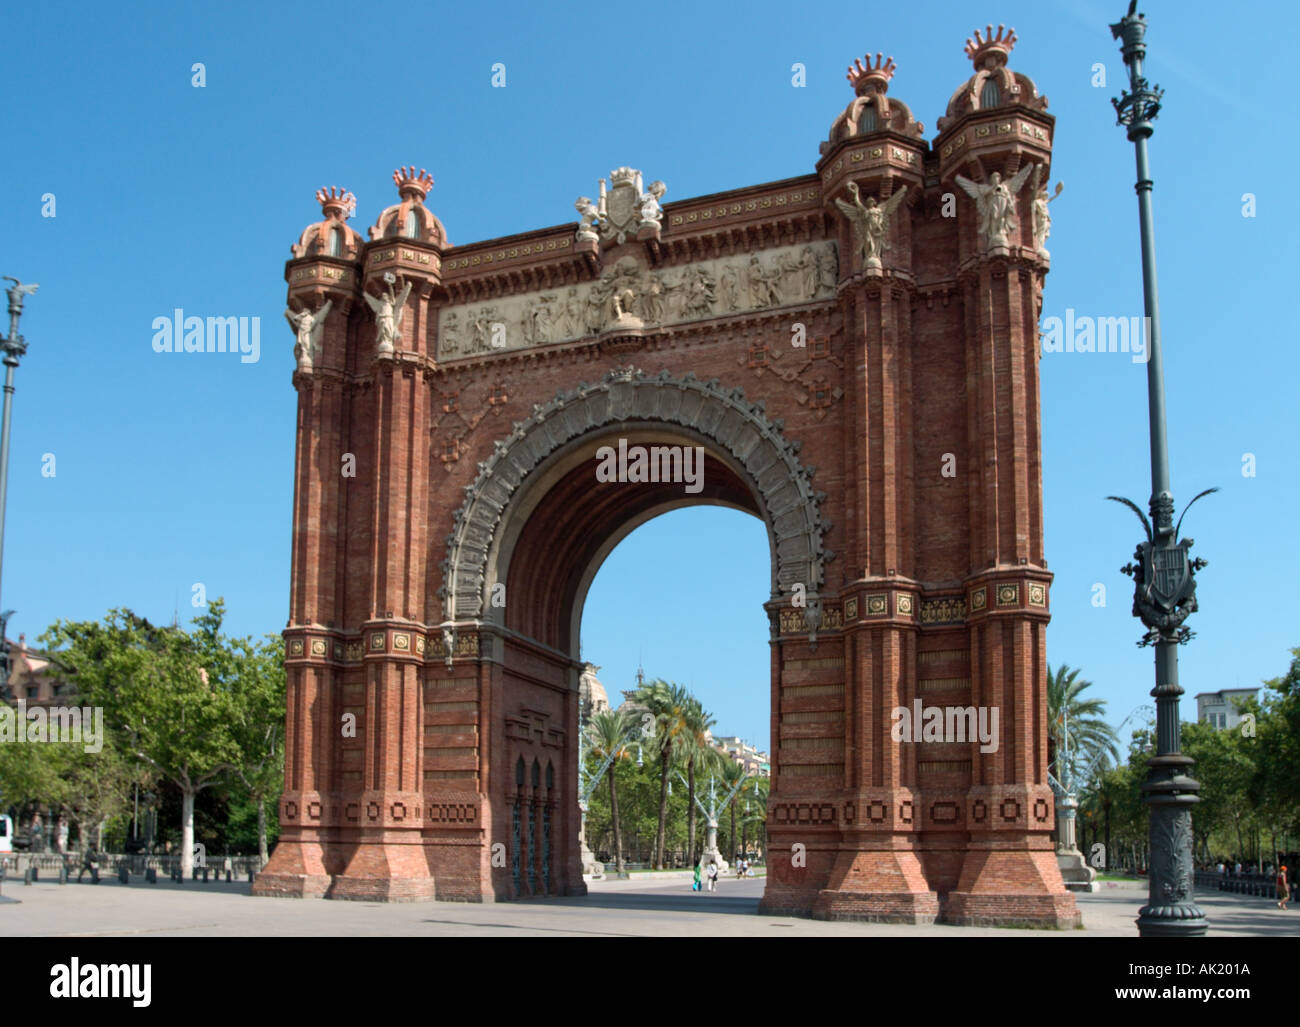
point(855, 352)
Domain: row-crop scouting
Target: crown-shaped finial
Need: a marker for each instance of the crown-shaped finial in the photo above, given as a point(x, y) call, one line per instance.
point(408, 182)
point(335, 203)
point(990, 45)
point(871, 78)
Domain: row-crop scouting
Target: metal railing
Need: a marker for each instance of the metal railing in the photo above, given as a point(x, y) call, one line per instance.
point(46, 865)
point(1258, 885)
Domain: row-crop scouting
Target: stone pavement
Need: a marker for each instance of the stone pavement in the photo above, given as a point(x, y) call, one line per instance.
point(611, 909)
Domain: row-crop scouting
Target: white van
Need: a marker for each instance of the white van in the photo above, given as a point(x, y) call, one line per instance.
point(6, 834)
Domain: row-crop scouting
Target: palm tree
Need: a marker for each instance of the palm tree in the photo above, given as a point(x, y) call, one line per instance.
point(697, 752)
point(667, 703)
point(732, 773)
point(609, 731)
point(1075, 726)
point(755, 791)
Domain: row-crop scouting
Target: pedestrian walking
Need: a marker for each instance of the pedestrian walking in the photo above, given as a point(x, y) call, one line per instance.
point(1283, 891)
point(713, 875)
point(89, 862)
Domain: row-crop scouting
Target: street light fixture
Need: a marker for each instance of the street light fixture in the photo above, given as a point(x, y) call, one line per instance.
point(13, 347)
point(1163, 571)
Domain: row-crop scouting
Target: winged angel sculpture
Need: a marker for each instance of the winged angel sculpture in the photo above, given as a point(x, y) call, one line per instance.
point(995, 202)
point(389, 308)
point(870, 222)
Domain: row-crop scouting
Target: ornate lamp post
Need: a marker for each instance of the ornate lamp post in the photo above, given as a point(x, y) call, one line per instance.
point(14, 346)
point(1162, 569)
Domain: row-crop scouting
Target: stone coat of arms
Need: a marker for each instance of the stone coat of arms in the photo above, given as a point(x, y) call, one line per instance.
point(623, 209)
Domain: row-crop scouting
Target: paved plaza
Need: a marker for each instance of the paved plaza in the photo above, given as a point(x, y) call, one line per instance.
point(655, 908)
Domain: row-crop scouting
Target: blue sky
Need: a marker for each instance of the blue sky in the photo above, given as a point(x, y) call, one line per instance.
point(176, 469)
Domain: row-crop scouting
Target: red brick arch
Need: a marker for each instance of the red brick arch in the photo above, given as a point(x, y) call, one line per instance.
point(752, 466)
point(881, 416)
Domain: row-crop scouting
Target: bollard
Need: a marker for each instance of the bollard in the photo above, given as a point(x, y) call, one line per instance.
point(122, 875)
point(36, 873)
point(27, 874)
point(205, 875)
point(151, 875)
point(230, 876)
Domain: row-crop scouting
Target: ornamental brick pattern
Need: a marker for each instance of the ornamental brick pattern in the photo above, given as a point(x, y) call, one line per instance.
point(880, 413)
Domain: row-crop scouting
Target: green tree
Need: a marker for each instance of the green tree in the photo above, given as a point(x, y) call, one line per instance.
point(1225, 768)
point(668, 704)
point(608, 732)
point(731, 775)
point(166, 693)
point(698, 753)
point(258, 691)
point(1076, 731)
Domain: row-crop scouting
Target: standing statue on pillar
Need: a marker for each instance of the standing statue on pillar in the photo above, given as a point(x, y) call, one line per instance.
point(388, 310)
point(1042, 223)
point(995, 202)
point(309, 327)
point(870, 222)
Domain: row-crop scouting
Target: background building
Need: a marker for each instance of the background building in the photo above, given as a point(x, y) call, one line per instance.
point(754, 760)
point(1220, 708)
point(32, 677)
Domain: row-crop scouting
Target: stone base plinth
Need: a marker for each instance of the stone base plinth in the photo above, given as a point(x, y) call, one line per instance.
point(290, 886)
point(1011, 887)
point(296, 870)
point(385, 872)
point(880, 907)
point(884, 884)
point(1050, 912)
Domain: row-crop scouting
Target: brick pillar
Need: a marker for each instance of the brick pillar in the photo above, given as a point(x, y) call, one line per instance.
point(1009, 875)
point(876, 873)
point(387, 857)
point(302, 860)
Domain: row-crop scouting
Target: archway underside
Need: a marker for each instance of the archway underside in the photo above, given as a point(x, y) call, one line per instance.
point(578, 523)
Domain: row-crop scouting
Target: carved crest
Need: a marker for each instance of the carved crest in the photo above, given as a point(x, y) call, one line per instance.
point(1169, 573)
point(624, 208)
point(621, 207)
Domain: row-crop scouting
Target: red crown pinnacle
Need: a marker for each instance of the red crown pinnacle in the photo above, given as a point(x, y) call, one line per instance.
point(336, 203)
point(982, 46)
point(408, 181)
point(877, 75)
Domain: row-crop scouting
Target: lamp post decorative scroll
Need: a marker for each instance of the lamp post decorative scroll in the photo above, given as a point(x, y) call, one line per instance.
point(1163, 570)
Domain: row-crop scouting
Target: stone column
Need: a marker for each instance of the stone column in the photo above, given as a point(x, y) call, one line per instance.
point(1009, 874)
point(877, 874)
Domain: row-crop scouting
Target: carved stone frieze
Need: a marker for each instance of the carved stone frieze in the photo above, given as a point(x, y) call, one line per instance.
point(628, 290)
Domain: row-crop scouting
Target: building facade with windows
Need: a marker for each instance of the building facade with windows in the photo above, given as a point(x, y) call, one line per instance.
point(1220, 708)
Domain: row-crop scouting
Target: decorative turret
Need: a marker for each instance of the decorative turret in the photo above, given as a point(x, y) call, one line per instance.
point(332, 237)
point(993, 84)
point(990, 51)
point(867, 79)
point(410, 219)
point(872, 110)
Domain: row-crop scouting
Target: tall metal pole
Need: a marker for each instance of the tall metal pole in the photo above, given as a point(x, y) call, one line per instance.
point(1163, 571)
point(14, 346)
